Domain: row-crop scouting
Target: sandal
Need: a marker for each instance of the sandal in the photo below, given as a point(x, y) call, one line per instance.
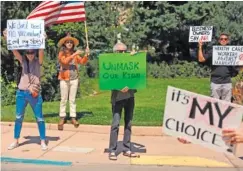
point(130, 154)
point(112, 156)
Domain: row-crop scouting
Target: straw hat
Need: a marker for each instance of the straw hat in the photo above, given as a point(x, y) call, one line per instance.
point(68, 37)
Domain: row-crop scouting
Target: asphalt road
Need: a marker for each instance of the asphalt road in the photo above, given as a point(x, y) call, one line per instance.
point(106, 167)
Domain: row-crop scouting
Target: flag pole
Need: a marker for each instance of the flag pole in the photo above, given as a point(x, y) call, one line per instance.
point(86, 34)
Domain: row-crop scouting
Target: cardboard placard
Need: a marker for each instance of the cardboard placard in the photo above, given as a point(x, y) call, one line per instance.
point(200, 119)
point(25, 34)
point(228, 55)
point(118, 70)
point(203, 33)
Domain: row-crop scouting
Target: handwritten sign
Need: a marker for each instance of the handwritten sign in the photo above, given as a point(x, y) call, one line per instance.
point(200, 119)
point(227, 55)
point(203, 33)
point(25, 34)
point(117, 70)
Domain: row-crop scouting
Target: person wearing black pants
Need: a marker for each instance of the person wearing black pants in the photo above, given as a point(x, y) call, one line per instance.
point(122, 99)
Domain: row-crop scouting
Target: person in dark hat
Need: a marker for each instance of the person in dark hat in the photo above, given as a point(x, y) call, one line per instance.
point(69, 60)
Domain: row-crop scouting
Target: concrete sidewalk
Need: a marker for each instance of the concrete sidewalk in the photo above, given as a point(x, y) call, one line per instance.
point(87, 145)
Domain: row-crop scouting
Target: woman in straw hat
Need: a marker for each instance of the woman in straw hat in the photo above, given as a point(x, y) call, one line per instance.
point(68, 76)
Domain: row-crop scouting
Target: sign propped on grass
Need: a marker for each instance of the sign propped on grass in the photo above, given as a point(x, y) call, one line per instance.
point(200, 119)
point(118, 70)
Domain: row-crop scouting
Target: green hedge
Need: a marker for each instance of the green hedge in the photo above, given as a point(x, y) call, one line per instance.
point(50, 83)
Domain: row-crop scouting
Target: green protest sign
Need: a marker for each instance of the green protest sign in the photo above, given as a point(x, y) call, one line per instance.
point(117, 70)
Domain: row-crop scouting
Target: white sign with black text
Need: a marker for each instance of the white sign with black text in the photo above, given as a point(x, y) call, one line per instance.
point(25, 34)
point(203, 33)
point(200, 119)
point(228, 55)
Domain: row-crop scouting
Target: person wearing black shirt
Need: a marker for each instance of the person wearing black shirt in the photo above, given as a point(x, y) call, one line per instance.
point(221, 84)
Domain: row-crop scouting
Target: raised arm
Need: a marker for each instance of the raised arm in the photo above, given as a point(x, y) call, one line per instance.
point(201, 58)
point(41, 56)
point(84, 59)
point(41, 52)
point(18, 56)
point(65, 60)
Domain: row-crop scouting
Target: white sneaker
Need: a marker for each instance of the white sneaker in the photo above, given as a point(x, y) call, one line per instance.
point(44, 146)
point(13, 145)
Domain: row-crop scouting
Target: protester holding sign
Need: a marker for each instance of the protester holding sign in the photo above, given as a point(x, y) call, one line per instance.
point(120, 99)
point(221, 84)
point(68, 76)
point(29, 92)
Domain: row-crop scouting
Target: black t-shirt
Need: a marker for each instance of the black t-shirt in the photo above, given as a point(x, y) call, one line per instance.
point(220, 74)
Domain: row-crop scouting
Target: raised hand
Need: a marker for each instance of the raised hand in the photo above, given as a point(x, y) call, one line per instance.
point(200, 43)
point(5, 33)
point(79, 52)
point(232, 136)
point(87, 51)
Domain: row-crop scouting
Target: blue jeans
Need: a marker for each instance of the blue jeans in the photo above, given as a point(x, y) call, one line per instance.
point(22, 99)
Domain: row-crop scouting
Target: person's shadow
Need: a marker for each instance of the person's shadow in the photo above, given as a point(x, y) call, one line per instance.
point(36, 140)
point(80, 115)
point(135, 147)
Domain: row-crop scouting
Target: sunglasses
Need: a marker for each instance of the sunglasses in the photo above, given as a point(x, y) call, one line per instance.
point(223, 39)
point(69, 42)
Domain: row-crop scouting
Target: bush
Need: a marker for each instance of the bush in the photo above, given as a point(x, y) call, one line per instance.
point(238, 88)
point(87, 84)
point(177, 69)
point(8, 92)
point(163, 70)
point(49, 81)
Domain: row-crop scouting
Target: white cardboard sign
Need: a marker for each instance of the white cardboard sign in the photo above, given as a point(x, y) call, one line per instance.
point(228, 55)
point(25, 34)
point(203, 33)
point(200, 119)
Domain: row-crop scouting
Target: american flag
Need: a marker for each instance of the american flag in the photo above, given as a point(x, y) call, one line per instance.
point(56, 12)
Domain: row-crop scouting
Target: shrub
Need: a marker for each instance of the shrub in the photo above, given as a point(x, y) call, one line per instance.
point(177, 69)
point(87, 85)
point(8, 91)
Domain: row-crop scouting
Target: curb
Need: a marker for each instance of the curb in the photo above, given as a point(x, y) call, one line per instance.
point(35, 161)
point(99, 129)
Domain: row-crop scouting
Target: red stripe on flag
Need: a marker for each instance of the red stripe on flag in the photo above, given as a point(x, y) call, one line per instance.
point(41, 5)
point(67, 20)
point(54, 12)
point(58, 9)
point(64, 15)
point(50, 6)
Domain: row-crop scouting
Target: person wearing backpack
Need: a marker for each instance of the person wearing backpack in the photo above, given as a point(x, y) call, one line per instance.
point(29, 92)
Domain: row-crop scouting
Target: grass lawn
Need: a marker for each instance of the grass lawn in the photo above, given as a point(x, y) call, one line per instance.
point(149, 104)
